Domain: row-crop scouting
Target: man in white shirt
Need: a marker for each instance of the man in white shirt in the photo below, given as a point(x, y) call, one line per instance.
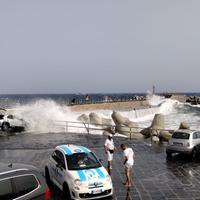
point(128, 162)
point(109, 149)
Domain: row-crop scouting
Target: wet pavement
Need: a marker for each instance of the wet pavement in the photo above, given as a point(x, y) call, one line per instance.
point(153, 176)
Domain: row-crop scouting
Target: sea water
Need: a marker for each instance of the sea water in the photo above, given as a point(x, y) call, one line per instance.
point(49, 113)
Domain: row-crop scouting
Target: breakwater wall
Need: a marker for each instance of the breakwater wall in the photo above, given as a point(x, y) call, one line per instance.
point(111, 106)
point(120, 105)
point(180, 98)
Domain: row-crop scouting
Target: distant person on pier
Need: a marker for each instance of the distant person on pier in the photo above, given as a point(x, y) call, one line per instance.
point(87, 97)
point(109, 150)
point(128, 163)
point(73, 101)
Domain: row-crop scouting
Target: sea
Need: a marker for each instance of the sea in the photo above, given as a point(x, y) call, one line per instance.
point(51, 112)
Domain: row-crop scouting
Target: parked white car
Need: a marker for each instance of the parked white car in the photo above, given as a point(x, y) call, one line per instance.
point(185, 142)
point(11, 122)
point(78, 173)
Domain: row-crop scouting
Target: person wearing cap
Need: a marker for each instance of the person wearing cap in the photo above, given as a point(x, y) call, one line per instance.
point(128, 163)
point(109, 150)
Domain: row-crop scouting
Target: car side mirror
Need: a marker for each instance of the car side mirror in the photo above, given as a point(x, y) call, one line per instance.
point(101, 161)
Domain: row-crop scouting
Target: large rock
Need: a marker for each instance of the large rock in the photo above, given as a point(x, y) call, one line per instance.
point(84, 118)
point(156, 130)
point(155, 138)
point(106, 121)
point(157, 125)
point(118, 118)
point(130, 124)
point(184, 125)
point(124, 130)
point(158, 122)
point(165, 135)
point(125, 126)
point(146, 132)
point(95, 119)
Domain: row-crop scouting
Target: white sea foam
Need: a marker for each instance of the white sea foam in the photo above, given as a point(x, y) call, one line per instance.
point(49, 116)
point(44, 115)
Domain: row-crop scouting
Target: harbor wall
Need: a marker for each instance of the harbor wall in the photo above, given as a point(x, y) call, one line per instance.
point(128, 105)
point(111, 106)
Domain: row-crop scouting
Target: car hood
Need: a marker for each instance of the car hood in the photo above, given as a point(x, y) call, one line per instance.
point(87, 175)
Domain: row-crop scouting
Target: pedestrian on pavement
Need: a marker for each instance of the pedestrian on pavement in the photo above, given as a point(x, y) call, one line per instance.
point(109, 150)
point(128, 163)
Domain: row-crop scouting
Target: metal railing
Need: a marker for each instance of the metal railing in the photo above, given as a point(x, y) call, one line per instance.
point(78, 101)
point(88, 127)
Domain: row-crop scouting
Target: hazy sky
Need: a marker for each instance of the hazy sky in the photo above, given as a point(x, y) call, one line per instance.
point(99, 46)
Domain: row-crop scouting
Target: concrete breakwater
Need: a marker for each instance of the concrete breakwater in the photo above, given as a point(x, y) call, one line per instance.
point(180, 98)
point(111, 106)
point(124, 105)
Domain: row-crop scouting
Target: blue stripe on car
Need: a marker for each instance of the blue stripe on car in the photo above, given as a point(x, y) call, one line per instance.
point(81, 175)
point(100, 173)
point(89, 174)
point(66, 150)
point(85, 150)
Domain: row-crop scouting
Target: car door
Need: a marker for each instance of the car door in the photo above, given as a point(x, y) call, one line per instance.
point(60, 168)
point(57, 168)
point(195, 139)
point(52, 167)
point(6, 189)
point(27, 187)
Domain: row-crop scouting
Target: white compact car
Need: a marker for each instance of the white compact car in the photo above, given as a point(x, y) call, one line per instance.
point(78, 173)
point(8, 122)
point(185, 142)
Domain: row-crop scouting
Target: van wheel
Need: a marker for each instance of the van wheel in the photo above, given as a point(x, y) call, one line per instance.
point(5, 127)
point(194, 153)
point(47, 177)
point(66, 192)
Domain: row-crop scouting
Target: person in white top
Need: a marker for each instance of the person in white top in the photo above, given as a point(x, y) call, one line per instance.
point(109, 149)
point(128, 162)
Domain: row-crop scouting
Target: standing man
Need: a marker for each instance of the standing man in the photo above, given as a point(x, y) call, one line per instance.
point(109, 149)
point(128, 162)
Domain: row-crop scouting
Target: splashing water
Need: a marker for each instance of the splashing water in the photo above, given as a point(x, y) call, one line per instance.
point(44, 115)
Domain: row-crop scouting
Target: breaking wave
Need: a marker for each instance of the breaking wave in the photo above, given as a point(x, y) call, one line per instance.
point(46, 115)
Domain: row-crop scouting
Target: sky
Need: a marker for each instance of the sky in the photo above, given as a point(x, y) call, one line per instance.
point(99, 46)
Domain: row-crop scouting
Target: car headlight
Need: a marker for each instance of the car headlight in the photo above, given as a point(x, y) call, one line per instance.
point(77, 182)
point(108, 179)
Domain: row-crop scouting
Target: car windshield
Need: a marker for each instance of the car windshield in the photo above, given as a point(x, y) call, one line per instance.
point(181, 135)
point(79, 161)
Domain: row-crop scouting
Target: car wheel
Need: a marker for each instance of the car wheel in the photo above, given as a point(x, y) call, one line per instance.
point(5, 127)
point(169, 155)
point(47, 177)
point(194, 153)
point(66, 192)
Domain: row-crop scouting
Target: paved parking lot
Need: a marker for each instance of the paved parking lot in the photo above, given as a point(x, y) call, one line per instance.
point(153, 176)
